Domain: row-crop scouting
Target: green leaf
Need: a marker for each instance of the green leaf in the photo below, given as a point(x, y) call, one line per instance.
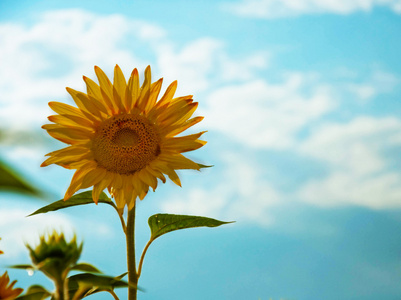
point(34, 296)
point(85, 267)
point(162, 223)
point(12, 181)
point(99, 281)
point(35, 292)
point(86, 284)
point(79, 199)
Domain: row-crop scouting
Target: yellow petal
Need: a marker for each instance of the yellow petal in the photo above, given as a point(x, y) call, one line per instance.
point(85, 105)
point(132, 91)
point(178, 162)
point(65, 160)
point(68, 135)
point(160, 166)
point(117, 181)
point(175, 129)
point(169, 115)
point(156, 173)
point(184, 143)
point(148, 178)
point(70, 150)
point(65, 109)
point(174, 177)
point(186, 113)
point(104, 82)
point(77, 179)
point(70, 132)
point(71, 120)
point(112, 105)
point(131, 203)
point(106, 89)
point(182, 98)
point(145, 90)
point(77, 164)
point(154, 93)
point(100, 186)
point(128, 188)
point(119, 197)
point(168, 94)
point(96, 97)
point(119, 87)
point(182, 114)
point(93, 177)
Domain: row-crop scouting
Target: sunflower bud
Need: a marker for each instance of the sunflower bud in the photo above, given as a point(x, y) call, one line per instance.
point(54, 256)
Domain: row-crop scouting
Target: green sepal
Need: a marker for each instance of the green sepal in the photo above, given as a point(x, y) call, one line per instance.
point(86, 284)
point(23, 267)
point(85, 267)
point(163, 223)
point(79, 199)
point(201, 166)
point(35, 292)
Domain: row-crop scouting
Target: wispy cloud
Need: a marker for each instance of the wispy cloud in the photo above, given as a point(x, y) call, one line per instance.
point(266, 115)
point(360, 156)
point(244, 194)
point(271, 9)
point(17, 229)
point(56, 51)
point(288, 116)
point(204, 64)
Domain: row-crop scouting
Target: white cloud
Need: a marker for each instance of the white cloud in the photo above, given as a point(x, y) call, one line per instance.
point(63, 45)
point(56, 51)
point(194, 63)
point(270, 9)
point(264, 115)
point(17, 229)
point(256, 113)
point(243, 195)
point(359, 171)
point(378, 82)
point(203, 63)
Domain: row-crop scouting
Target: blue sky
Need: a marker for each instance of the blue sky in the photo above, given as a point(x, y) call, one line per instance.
point(302, 106)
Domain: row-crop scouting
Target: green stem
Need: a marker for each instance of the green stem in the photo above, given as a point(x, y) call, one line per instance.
point(122, 223)
point(132, 274)
point(143, 257)
point(61, 289)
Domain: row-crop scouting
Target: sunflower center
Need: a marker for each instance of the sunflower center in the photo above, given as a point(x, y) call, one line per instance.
point(125, 144)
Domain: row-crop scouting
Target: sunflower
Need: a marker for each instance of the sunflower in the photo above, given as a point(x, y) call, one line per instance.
point(121, 137)
point(7, 292)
